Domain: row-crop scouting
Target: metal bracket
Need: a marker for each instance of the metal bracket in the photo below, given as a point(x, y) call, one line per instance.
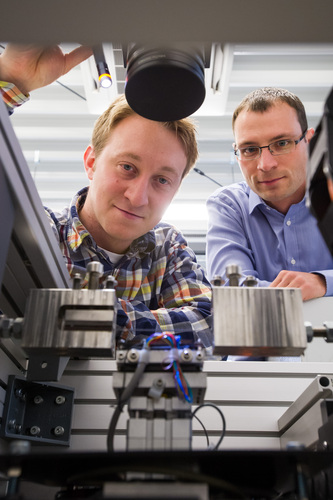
point(47, 367)
point(37, 411)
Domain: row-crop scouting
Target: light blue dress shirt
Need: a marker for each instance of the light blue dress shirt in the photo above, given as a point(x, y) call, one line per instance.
point(244, 230)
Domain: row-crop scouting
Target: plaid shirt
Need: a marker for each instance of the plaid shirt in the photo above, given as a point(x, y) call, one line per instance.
point(160, 286)
point(12, 96)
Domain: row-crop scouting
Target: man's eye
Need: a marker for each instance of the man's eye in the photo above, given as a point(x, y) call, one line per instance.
point(283, 143)
point(162, 180)
point(126, 167)
point(249, 150)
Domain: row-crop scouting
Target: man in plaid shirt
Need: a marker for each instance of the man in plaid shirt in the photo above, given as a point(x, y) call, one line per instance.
point(135, 167)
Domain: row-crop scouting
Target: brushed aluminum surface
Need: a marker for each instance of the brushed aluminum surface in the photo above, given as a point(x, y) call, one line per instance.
point(80, 322)
point(258, 321)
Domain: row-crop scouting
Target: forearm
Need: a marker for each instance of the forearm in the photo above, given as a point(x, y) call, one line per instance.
point(192, 321)
point(231, 253)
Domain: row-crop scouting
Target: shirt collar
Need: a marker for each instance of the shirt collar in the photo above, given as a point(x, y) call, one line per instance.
point(256, 201)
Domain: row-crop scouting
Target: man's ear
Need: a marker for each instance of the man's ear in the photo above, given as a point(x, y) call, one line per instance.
point(330, 187)
point(89, 162)
point(309, 134)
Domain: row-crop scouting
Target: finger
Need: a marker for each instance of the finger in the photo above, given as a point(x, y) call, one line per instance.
point(77, 56)
point(276, 283)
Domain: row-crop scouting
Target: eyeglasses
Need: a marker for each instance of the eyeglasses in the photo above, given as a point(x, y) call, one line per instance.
point(281, 147)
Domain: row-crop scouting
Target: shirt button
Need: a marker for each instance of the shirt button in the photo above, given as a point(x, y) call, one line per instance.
point(288, 222)
point(293, 261)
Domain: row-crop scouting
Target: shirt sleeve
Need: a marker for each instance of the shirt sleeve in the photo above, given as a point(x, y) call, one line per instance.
point(12, 96)
point(183, 306)
point(328, 275)
point(227, 242)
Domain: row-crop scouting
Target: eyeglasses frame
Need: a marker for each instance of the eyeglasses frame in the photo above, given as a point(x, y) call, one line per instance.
point(272, 153)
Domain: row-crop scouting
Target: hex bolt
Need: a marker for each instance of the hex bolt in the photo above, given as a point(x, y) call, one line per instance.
point(38, 400)
point(17, 328)
point(233, 274)
point(250, 281)
point(12, 424)
point(20, 394)
point(329, 330)
point(111, 282)
point(59, 431)
point(35, 430)
point(5, 327)
point(60, 400)
point(77, 280)
point(95, 271)
point(217, 281)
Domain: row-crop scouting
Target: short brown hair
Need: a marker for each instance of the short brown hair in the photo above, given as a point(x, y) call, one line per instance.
point(262, 99)
point(119, 110)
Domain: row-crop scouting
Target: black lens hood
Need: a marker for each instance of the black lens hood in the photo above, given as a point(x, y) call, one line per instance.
point(165, 84)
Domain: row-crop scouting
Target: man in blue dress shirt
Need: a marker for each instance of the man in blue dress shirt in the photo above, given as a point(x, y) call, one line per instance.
point(263, 224)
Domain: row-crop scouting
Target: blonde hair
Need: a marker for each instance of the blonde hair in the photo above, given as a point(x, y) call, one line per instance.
point(184, 129)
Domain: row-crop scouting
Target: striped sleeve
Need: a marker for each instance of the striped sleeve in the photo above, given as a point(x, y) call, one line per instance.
point(12, 96)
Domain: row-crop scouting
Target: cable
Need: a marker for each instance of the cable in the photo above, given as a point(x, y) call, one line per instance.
point(125, 396)
point(222, 418)
point(183, 389)
point(203, 428)
point(71, 90)
point(200, 172)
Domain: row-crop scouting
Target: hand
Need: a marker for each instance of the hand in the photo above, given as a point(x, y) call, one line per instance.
point(30, 67)
point(312, 285)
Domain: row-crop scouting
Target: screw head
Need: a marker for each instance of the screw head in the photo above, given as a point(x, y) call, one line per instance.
point(60, 400)
point(133, 356)
point(35, 430)
point(59, 430)
point(199, 356)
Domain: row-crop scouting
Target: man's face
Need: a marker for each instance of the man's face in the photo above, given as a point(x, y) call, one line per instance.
point(279, 180)
point(132, 182)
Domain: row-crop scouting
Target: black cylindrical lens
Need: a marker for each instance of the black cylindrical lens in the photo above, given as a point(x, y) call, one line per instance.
point(165, 84)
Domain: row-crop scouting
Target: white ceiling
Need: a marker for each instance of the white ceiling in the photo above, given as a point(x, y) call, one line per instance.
point(54, 128)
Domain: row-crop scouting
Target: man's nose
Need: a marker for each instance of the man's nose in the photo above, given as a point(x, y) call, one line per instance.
point(137, 192)
point(266, 160)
